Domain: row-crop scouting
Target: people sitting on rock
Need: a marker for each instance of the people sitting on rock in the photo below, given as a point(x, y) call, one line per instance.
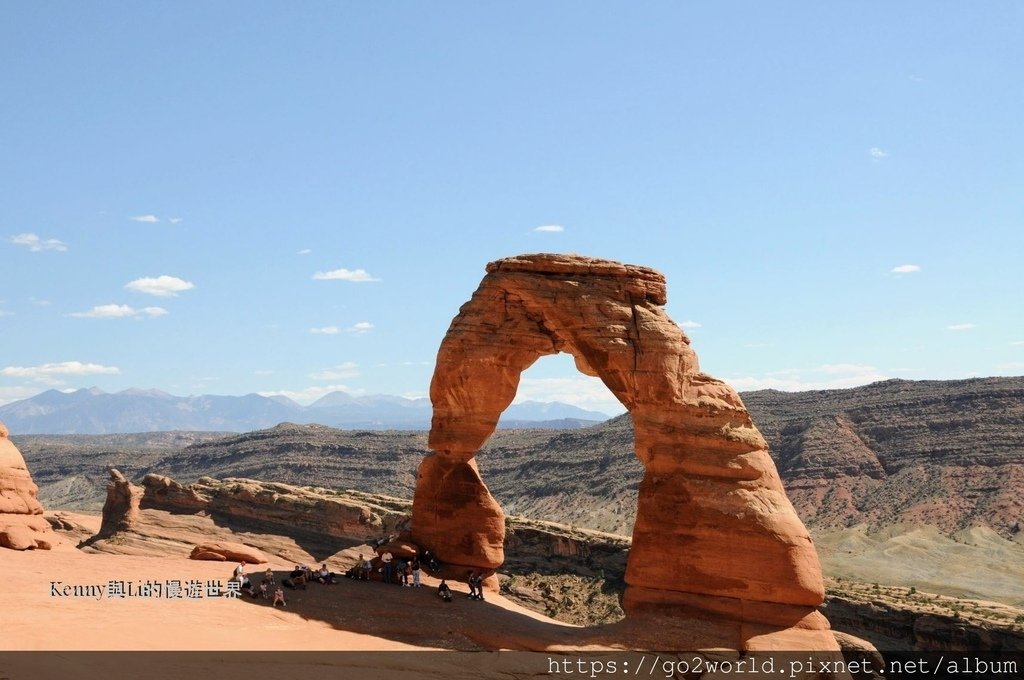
point(444, 591)
point(263, 588)
point(430, 562)
point(268, 576)
point(386, 559)
point(279, 597)
point(246, 586)
point(240, 572)
point(324, 575)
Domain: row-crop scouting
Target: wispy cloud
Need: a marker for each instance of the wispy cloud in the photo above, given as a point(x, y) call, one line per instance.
point(17, 393)
point(349, 369)
point(905, 269)
point(4, 312)
point(119, 312)
point(961, 327)
point(583, 391)
point(1011, 366)
point(38, 302)
point(550, 228)
point(353, 275)
point(161, 286)
point(38, 245)
point(357, 329)
point(878, 154)
point(1017, 343)
point(689, 324)
point(825, 377)
point(148, 219)
point(311, 394)
point(305, 251)
point(51, 374)
point(175, 220)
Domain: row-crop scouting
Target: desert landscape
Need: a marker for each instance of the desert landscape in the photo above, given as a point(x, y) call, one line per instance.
point(666, 339)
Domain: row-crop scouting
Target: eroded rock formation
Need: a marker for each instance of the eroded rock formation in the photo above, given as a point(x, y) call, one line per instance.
point(714, 532)
point(121, 509)
point(22, 526)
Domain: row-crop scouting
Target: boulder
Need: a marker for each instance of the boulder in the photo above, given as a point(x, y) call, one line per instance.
point(17, 537)
point(235, 552)
point(21, 520)
point(399, 549)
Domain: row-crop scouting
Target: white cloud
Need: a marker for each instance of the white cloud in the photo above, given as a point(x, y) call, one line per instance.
point(39, 302)
point(878, 154)
point(582, 391)
point(148, 219)
point(1017, 343)
point(550, 228)
point(354, 275)
point(304, 251)
point(4, 312)
point(49, 373)
point(38, 245)
point(361, 327)
point(689, 324)
point(311, 394)
point(175, 220)
point(825, 377)
point(961, 327)
point(161, 286)
point(326, 330)
point(349, 369)
point(905, 269)
point(119, 312)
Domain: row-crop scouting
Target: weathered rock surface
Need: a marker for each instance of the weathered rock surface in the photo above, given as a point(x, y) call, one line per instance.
point(349, 515)
point(714, 530)
point(22, 526)
point(230, 551)
point(121, 509)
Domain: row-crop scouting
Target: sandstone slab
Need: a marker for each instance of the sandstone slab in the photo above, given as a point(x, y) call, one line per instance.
point(235, 552)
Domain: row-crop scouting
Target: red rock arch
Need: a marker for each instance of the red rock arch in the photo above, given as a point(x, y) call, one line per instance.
point(714, 528)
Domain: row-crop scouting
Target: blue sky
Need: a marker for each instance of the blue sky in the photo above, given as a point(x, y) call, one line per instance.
point(833, 190)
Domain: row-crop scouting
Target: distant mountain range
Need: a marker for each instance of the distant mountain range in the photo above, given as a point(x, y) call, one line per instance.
point(93, 411)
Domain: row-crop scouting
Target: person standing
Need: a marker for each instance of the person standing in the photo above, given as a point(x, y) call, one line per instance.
point(386, 558)
point(415, 572)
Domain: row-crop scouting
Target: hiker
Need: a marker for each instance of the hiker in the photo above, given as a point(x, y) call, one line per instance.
point(479, 583)
point(471, 582)
point(268, 576)
point(263, 589)
point(415, 566)
point(279, 597)
point(365, 567)
point(240, 572)
point(444, 591)
point(388, 567)
point(403, 573)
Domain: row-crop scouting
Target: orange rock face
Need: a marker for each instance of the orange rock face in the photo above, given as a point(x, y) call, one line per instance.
point(22, 526)
point(714, 528)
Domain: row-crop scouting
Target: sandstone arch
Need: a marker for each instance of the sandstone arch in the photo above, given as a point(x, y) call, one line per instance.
point(714, 529)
